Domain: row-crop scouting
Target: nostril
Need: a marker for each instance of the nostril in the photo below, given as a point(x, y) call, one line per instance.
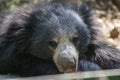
point(71, 65)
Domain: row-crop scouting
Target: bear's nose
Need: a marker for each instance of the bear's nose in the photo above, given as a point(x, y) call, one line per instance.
point(69, 67)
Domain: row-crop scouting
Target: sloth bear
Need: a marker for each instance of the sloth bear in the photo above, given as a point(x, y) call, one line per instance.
point(50, 38)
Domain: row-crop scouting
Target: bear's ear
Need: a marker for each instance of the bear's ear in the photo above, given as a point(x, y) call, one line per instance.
point(89, 18)
point(87, 14)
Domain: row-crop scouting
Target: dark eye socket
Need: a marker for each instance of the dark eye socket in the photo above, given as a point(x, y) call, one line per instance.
point(75, 39)
point(52, 43)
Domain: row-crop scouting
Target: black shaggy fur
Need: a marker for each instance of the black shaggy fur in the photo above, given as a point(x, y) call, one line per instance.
point(16, 36)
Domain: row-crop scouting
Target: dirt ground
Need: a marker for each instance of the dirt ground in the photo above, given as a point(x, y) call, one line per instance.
point(109, 21)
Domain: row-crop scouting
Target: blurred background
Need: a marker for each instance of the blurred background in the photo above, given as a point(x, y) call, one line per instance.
point(107, 12)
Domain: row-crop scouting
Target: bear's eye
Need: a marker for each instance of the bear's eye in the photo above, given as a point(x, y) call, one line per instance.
point(52, 44)
point(75, 39)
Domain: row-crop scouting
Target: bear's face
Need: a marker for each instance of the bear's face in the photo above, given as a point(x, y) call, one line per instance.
point(62, 37)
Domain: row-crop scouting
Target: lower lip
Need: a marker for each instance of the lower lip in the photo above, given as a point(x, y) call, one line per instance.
point(69, 71)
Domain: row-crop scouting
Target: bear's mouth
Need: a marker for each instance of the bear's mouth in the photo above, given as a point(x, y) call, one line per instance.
point(69, 68)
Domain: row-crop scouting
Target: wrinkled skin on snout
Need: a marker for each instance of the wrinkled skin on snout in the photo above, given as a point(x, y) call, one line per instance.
point(66, 57)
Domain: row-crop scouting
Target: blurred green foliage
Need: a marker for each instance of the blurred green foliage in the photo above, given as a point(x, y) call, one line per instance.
point(10, 4)
point(13, 4)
